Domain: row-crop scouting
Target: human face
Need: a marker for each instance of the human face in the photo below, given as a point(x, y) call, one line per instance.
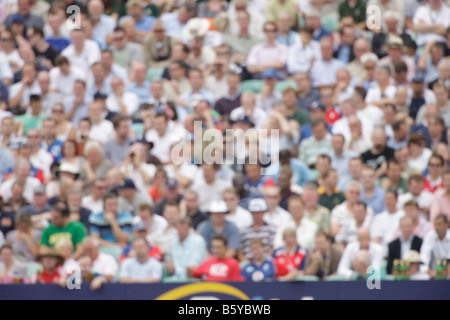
point(111, 205)
point(364, 240)
point(435, 167)
point(368, 178)
point(231, 199)
point(171, 213)
point(58, 219)
point(390, 200)
point(270, 33)
point(119, 39)
point(322, 244)
point(311, 198)
point(296, 209)
point(352, 193)
point(406, 228)
point(141, 249)
point(257, 251)
point(183, 230)
point(441, 227)
point(327, 50)
point(219, 249)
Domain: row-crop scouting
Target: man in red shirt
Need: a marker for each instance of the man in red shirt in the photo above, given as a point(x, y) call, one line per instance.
point(219, 267)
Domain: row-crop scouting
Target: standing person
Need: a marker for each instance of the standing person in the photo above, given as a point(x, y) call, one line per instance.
point(62, 227)
point(220, 267)
point(141, 268)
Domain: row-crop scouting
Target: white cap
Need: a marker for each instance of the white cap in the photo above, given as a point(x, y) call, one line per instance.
point(257, 205)
point(218, 206)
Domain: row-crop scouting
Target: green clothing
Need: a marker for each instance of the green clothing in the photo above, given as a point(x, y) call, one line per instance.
point(74, 231)
point(301, 116)
point(332, 201)
point(30, 122)
point(358, 12)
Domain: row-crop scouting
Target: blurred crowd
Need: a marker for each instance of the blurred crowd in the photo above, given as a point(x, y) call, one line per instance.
point(108, 108)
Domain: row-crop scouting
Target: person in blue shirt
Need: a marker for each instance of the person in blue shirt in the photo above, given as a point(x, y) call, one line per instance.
point(49, 141)
point(371, 194)
point(110, 226)
point(261, 267)
point(299, 169)
point(143, 23)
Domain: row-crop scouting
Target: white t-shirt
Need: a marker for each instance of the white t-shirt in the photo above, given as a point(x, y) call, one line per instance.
point(425, 15)
point(424, 199)
point(421, 162)
point(30, 184)
point(159, 223)
point(14, 56)
point(94, 206)
point(130, 100)
point(102, 132)
point(136, 176)
point(42, 160)
point(64, 83)
point(241, 218)
point(26, 93)
point(306, 232)
point(384, 226)
point(89, 55)
point(278, 218)
point(374, 93)
point(161, 147)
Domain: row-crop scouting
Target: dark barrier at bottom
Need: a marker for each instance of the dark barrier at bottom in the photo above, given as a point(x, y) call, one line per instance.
point(328, 290)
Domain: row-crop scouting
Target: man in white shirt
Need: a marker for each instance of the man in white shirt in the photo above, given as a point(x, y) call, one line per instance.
point(22, 174)
point(386, 223)
point(302, 55)
point(94, 201)
point(431, 21)
point(248, 107)
point(275, 215)
point(63, 77)
point(101, 130)
point(82, 52)
point(305, 228)
point(163, 135)
point(384, 88)
point(20, 92)
point(239, 216)
point(325, 68)
point(436, 244)
point(423, 197)
point(121, 101)
point(363, 243)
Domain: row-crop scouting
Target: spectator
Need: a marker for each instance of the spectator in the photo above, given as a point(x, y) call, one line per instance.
point(440, 203)
point(323, 261)
point(330, 195)
point(259, 229)
point(387, 222)
point(52, 262)
point(268, 55)
point(303, 53)
point(172, 195)
point(125, 52)
point(421, 226)
point(232, 99)
point(315, 212)
point(416, 192)
point(423, 22)
point(96, 165)
point(217, 224)
point(379, 154)
point(158, 46)
point(24, 15)
point(340, 158)
point(8, 264)
point(76, 106)
point(111, 227)
point(82, 52)
point(24, 239)
point(371, 194)
point(435, 246)
point(190, 207)
point(325, 65)
point(154, 223)
point(305, 229)
point(261, 267)
point(290, 259)
point(237, 215)
point(116, 148)
point(178, 83)
point(141, 268)
point(210, 269)
point(130, 198)
point(319, 143)
point(398, 248)
point(346, 267)
point(62, 227)
point(187, 253)
point(94, 201)
point(21, 174)
point(356, 66)
point(165, 238)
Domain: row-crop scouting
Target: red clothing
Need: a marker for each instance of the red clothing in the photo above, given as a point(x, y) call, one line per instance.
point(331, 116)
point(285, 261)
point(219, 270)
point(427, 185)
point(154, 193)
point(46, 278)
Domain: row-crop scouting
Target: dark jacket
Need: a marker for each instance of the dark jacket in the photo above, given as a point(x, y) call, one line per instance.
point(395, 248)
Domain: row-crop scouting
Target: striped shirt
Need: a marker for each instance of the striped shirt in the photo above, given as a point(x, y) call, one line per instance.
point(99, 225)
point(266, 233)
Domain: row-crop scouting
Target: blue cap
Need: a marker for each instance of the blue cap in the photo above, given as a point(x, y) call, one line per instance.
point(269, 73)
point(246, 119)
point(171, 183)
point(100, 96)
point(139, 226)
point(418, 78)
point(17, 18)
point(126, 184)
point(316, 105)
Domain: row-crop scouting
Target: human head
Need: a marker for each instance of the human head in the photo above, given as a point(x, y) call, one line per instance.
point(219, 246)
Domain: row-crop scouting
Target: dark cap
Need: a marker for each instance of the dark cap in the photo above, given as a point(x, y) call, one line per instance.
point(100, 96)
point(126, 184)
point(244, 118)
point(316, 105)
point(171, 183)
point(17, 18)
point(418, 78)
